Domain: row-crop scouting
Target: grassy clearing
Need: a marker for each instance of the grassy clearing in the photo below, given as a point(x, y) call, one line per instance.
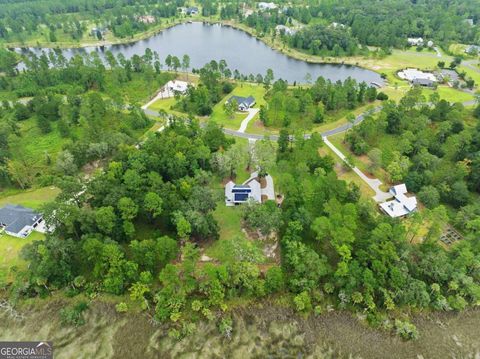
point(450, 94)
point(363, 162)
point(34, 198)
point(347, 175)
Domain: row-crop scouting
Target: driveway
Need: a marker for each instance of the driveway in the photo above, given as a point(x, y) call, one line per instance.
point(251, 114)
point(373, 183)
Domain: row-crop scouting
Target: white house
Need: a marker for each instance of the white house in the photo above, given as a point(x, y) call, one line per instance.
point(176, 86)
point(401, 205)
point(415, 41)
point(244, 103)
point(250, 189)
point(285, 29)
point(267, 5)
point(472, 49)
point(19, 221)
point(236, 194)
point(418, 77)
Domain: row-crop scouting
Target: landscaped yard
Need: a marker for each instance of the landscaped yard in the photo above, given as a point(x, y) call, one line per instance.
point(244, 90)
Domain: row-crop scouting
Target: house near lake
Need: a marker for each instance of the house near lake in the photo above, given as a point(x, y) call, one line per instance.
point(418, 77)
point(401, 205)
point(244, 103)
point(19, 221)
point(190, 11)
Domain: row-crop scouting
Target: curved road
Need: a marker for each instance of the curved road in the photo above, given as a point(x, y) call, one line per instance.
point(339, 129)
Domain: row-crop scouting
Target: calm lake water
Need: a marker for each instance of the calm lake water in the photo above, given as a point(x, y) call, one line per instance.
point(204, 42)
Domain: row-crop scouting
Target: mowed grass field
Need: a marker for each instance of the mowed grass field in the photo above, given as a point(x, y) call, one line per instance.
point(244, 90)
point(10, 247)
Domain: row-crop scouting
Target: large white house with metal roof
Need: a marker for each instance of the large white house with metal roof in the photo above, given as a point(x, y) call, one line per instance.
point(401, 205)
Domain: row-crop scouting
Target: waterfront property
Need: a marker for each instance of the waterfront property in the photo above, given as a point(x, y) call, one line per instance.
point(279, 29)
point(418, 77)
point(19, 221)
point(244, 103)
point(401, 205)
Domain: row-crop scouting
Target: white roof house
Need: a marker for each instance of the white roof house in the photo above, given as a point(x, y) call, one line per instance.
point(236, 194)
point(267, 5)
point(416, 76)
point(250, 189)
point(415, 41)
point(285, 29)
point(177, 86)
point(401, 205)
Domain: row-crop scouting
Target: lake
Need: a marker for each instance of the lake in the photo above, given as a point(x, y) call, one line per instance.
point(242, 52)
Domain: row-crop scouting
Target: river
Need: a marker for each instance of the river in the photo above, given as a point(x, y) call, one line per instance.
point(241, 51)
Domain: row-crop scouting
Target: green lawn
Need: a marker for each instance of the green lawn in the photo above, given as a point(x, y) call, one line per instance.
point(11, 246)
point(34, 198)
point(245, 90)
point(450, 94)
point(9, 254)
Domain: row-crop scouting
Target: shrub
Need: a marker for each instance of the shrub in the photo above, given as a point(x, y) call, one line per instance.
point(406, 330)
point(382, 96)
point(121, 307)
point(74, 315)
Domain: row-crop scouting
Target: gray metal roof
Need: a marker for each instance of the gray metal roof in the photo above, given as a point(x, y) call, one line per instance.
point(243, 100)
point(15, 218)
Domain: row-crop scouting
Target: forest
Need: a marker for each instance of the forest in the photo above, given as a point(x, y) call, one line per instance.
point(328, 28)
point(78, 112)
point(337, 249)
point(302, 107)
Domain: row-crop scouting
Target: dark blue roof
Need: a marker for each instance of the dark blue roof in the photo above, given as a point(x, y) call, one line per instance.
point(15, 218)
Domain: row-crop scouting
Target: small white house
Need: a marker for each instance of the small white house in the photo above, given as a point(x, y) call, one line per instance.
point(401, 205)
point(284, 29)
point(237, 194)
point(251, 189)
point(177, 86)
point(472, 49)
point(267, 6)
point(415, 41)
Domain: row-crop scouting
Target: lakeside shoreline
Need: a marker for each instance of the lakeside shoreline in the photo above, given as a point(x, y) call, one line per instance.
point(291, 53)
